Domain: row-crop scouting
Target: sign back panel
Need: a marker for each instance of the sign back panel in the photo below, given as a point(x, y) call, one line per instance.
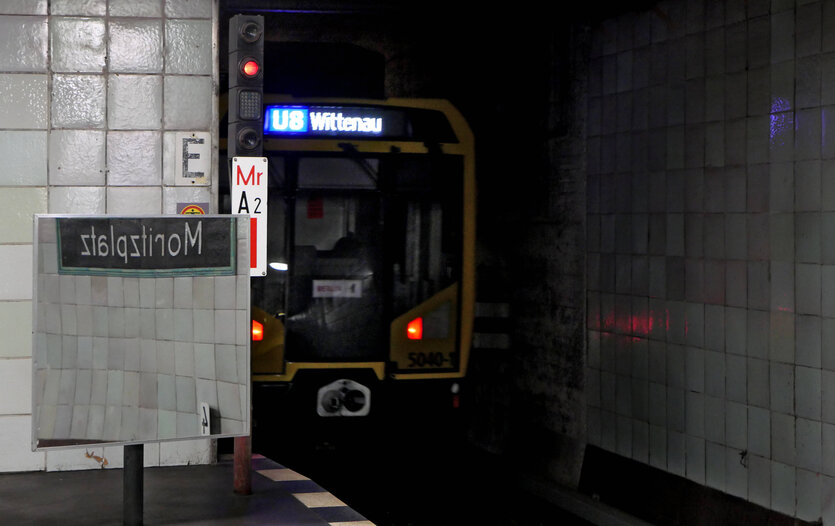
point(134, 347)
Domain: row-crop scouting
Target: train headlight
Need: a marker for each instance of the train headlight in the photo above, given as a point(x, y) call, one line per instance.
point(343, 398)
point(331, 401)
point(354, 400)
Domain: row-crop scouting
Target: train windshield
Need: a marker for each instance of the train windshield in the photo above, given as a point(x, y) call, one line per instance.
point(355, 241)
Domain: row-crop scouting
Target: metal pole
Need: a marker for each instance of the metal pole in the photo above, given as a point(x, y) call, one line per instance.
point(242, 465)
point(133, 484)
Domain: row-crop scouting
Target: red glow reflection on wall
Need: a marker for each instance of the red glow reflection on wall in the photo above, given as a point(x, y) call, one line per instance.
point(641, 324)
point(608, 321)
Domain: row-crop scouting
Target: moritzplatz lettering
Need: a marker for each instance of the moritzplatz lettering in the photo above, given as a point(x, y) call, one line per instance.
point(141, 246)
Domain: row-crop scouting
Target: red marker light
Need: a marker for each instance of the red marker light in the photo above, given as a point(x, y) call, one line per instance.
point(414, 330)
point(250, 68)
point(257, 331)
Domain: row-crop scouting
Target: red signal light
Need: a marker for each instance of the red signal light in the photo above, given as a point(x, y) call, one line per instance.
point(257, 331)
point(414, 330)
point(250, 68)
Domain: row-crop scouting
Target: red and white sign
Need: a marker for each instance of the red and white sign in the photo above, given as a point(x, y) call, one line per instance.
point(249, 196)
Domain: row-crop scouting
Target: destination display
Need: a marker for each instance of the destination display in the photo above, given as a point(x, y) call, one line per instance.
point(357, 122)
point(329, 121)
point(143, 246)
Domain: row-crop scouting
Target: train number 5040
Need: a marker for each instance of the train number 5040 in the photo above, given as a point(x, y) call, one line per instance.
point(428, 359)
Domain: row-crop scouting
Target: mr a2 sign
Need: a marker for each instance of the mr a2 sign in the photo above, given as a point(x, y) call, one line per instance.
point(249, 196)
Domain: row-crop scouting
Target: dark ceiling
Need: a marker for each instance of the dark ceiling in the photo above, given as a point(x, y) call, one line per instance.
point(557, 14)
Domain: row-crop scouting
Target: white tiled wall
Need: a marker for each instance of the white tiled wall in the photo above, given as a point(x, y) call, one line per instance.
point(711, 239)
point(88, 90)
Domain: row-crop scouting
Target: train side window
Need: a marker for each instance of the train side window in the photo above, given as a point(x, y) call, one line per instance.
point(424, 224)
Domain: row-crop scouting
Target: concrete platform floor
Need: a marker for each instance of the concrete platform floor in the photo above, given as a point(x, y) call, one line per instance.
point(192, 495)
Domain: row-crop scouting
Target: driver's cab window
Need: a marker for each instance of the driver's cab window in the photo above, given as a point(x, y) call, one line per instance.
point(334, 303)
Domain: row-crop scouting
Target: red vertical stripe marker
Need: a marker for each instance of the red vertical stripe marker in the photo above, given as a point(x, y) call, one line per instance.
point(253, 242)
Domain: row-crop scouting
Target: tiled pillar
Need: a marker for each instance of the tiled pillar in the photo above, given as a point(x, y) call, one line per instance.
point(24, 121)
point(126, 79)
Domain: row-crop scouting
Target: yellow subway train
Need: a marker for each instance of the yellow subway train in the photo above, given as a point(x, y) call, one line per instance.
point(367, 304)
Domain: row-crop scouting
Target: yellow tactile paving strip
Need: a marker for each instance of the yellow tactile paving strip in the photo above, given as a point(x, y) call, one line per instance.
point(319, 499)
point(314, 499)
point(282, 474)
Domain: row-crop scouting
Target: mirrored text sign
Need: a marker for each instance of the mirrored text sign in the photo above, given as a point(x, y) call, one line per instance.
point(146, 246)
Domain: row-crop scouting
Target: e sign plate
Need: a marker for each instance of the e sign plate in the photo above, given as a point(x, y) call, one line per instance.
point(193, 158)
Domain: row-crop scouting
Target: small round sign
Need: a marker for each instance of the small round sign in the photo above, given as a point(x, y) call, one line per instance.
point(193, 210)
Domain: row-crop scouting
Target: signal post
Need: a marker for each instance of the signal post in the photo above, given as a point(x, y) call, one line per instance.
point(244, 149)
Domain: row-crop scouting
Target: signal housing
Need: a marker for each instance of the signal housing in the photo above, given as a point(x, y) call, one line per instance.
point(246, 88)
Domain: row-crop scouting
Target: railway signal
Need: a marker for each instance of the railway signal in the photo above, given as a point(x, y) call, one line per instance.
point(245, 144)
point(246, 85)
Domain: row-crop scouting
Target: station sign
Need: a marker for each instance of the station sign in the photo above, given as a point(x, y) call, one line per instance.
point(123, 301)
point(249, 197)
point(146, 246)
